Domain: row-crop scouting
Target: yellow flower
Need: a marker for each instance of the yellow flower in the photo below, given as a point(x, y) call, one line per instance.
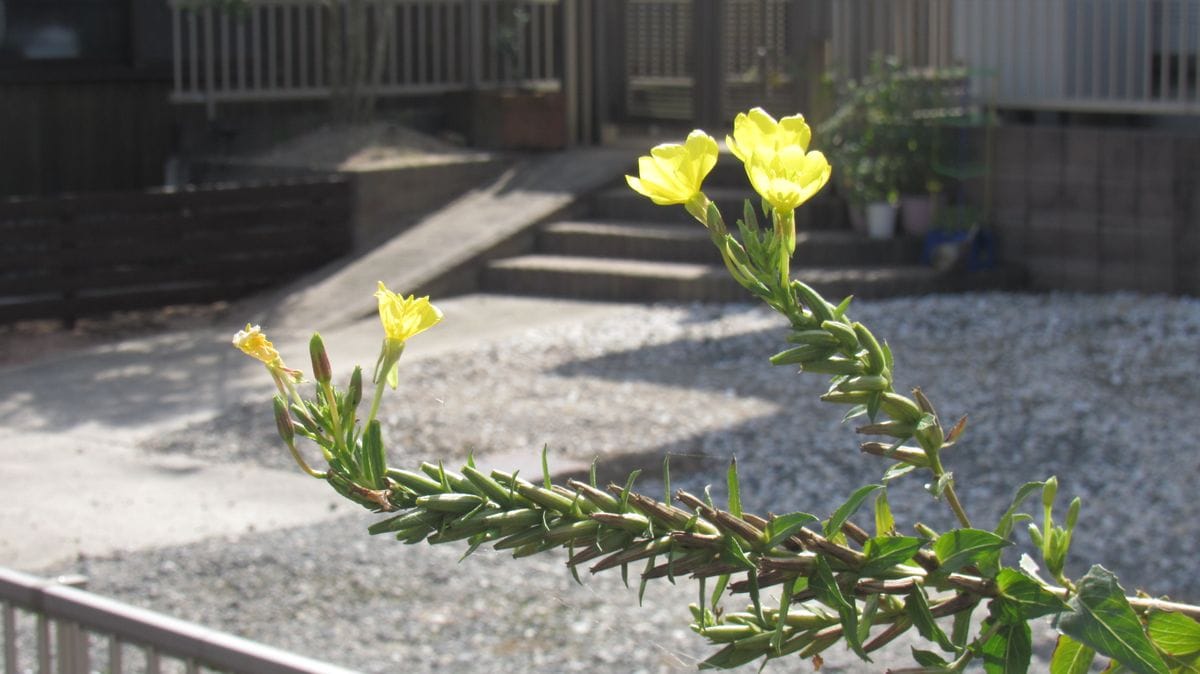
point(404, 317)
point(673, 173)
point(757, 133)
point(255, 344)
point(788, 177)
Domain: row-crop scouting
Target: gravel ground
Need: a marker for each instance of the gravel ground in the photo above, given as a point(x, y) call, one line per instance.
point(1099, 390)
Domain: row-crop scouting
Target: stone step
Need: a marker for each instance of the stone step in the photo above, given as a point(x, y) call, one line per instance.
point(824, 211)
point(691, 243)
point(641, 280)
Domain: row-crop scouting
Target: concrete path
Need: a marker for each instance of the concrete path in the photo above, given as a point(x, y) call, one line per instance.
point(72, 479)
point(75, 483)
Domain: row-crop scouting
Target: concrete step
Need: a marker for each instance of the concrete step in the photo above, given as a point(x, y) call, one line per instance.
point(641, 280)
point(691, 243)
point(824, 211)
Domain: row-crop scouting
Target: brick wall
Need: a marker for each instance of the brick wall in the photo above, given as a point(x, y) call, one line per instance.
point(1100, 209)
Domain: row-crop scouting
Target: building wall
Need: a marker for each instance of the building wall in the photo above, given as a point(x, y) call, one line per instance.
point(1100, 209)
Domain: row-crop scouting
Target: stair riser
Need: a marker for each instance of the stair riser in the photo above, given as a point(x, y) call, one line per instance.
point(611, 287)
point(854, 253)
point(819, 213)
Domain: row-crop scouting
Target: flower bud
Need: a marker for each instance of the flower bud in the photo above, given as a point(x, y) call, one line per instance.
point(283, 421)
point(1073, 513)
point(355, 390)
point(1049, 491)
point(322, 370)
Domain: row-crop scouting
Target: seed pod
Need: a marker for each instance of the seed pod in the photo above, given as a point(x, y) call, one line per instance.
point(813, 338)
point(545, 497)
point(487, 486)
point(626, 521)
point(520, 538)
point(810, 298)
point(876, 361)
point(929, 434)
point(865, 382)
point(374, 455)
point(510, 521)
point(450, 503)
point(562, 533)
point(844, 334)
point(415, 481)
point(457, 482)
point(847, 397)
point(802, 353)
point(406, 520)
point(899, 408)
point(895, 429)
point(728, 633)
point(834, 365)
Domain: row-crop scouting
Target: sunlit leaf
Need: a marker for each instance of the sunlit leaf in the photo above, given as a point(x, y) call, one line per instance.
point(1101, 618)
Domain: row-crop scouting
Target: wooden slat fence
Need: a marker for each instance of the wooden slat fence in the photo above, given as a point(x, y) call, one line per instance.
point(75, 256)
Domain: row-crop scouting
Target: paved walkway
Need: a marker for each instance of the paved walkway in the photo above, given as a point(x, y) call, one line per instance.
point(74, 481)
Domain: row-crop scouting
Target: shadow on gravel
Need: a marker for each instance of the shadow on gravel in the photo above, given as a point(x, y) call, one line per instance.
point(127, 385)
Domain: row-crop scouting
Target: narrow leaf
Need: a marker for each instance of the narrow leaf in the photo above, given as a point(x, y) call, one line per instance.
point(898, 470)
point(785, 601)
point(1101, 618)
point(782, 527)
point(824, 584)
point(1005, 527)
point(546, 467)
point(885, 524)
point(735, 494)
point(1071, 657)
point(847, 509)
point(918, 611)
point(930, 659)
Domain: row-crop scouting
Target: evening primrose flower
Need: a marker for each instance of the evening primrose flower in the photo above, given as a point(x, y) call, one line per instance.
point(788, 177)
point(673, 173)
point(254, 343)
point(405, 317)
point(757, 133)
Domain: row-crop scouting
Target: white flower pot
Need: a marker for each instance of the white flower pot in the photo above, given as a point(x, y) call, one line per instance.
point(881, 220)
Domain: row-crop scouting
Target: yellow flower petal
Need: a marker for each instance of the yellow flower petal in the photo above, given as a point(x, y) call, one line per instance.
point(405, 317)
point(255, 344)
point(757, 132)
point(673, 173)
point(788, 178)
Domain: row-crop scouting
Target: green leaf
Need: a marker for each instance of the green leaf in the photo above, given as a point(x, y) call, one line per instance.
point(781, 528)
point(930, 660)
point(1071, 657)
point(847, 509)
point(825, 586)
point(867, 619)
point(1005, 527)
point(840, 310)
point(960, 547)
point(546, 467)
point(722, 583)
point(1174, 633)
point(898, 470)
point(960, 633)
point(735, 493)
point(733, 554)
point(1008, 650)
point(1101, 618)
point(917, 608)
point(884, 522)
point(873, 402)
point(1183, 664)
point(785, 601)
point(854, 412)
point(1032, 599)
point(884, 552)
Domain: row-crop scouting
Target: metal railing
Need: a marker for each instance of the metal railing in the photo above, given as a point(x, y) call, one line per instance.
point(49, 627)
point(291, 49)
point(1116, 56)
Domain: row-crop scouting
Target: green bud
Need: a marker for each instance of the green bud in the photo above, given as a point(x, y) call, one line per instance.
point(283, 421)
point(1073, 513)
point(322, 370)
point(1049, 491)
point(834, 365)
point(813, 337)
point(844, 334)
point(803, 353)
point(865, 382)
point(876, 361)
point(355, 390)
point(1035, 535)
point(899, 408)
point(929, 434)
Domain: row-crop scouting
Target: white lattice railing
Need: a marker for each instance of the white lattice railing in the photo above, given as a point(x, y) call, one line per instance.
point(1117, 56)
point(281, 49)
point(49, 627)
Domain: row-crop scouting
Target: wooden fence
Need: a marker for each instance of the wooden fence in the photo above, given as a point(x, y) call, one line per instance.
point(83, 255)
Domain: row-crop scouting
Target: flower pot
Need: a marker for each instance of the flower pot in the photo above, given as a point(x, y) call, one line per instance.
point(881, 220)
point(916, 213)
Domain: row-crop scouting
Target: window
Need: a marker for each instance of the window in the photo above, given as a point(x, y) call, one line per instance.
point(64, 30)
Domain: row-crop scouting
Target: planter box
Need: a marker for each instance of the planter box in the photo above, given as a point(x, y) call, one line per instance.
point(518, 120)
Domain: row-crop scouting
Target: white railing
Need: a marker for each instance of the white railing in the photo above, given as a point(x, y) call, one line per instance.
point(1115, 56)
point(49, 627)
point(286, 49)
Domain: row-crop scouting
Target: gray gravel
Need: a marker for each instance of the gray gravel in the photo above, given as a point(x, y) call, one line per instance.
point(1099, 390)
